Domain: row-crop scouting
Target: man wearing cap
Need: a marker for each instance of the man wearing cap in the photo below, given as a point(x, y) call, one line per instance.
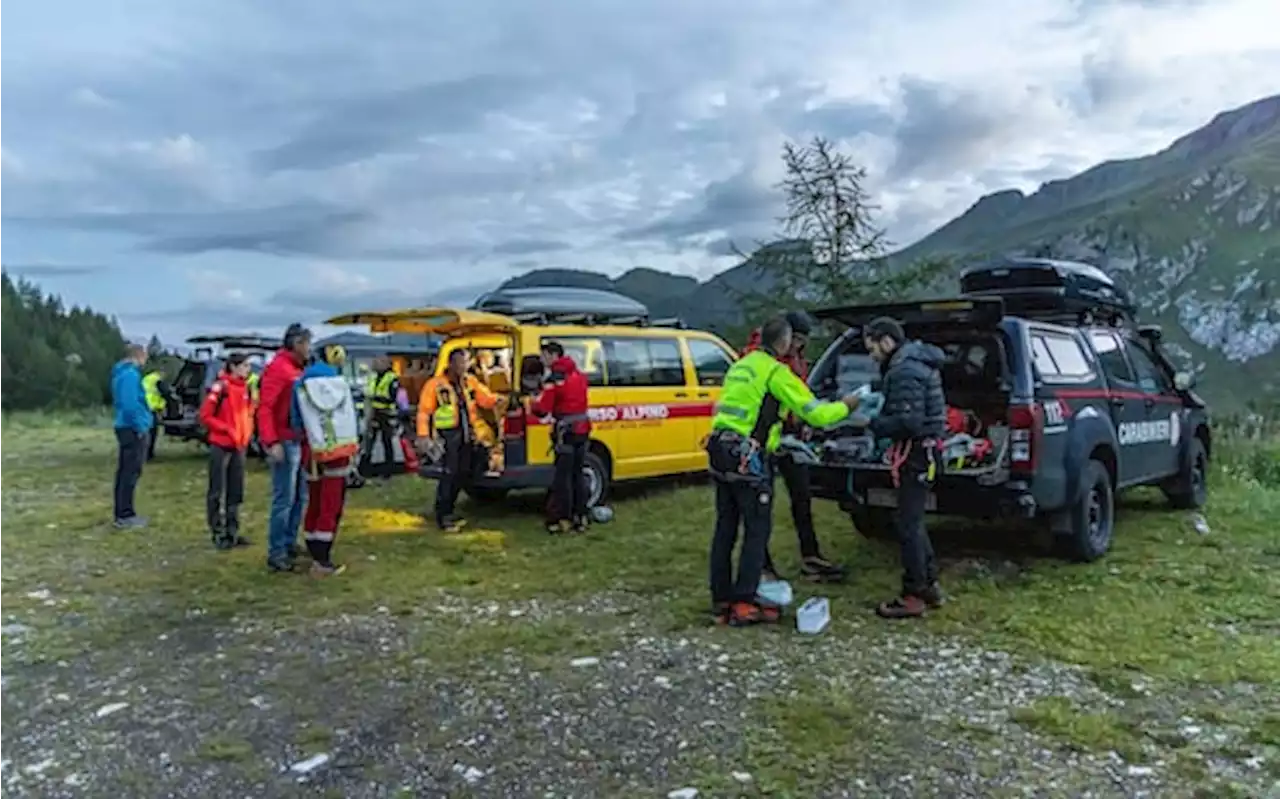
point(282, 442)
point(796, 475)
point(914, 418)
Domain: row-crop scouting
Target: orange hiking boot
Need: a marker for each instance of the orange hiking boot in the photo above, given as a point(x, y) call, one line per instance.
point(747, 614)
point(908, 606)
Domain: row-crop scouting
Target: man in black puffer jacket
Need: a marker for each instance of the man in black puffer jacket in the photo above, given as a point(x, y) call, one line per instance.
point(914, 418)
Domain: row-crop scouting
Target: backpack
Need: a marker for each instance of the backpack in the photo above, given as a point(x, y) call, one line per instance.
point(328, 414)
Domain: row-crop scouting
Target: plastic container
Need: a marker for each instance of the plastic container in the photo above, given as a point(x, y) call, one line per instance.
point(775, 592)
point(813, 616)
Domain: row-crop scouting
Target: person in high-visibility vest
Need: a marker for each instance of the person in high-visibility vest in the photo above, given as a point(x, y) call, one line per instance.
point(155, 389)
point(759, 390)
point(252, 383)
point(447, 415)
point(385, 403)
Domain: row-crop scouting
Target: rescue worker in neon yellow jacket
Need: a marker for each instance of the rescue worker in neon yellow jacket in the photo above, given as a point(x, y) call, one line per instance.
point(759, 391)
point(155, 389)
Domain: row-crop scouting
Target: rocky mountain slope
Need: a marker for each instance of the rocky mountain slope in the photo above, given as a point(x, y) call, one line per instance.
point(1193, 231)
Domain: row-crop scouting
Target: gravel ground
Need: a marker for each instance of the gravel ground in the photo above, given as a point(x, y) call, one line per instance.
point(497, 700)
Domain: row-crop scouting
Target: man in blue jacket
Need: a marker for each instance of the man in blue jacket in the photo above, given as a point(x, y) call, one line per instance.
point(133, 420)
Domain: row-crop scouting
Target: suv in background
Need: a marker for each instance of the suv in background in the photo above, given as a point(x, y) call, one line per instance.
point(188, 388)
point(1077, 403)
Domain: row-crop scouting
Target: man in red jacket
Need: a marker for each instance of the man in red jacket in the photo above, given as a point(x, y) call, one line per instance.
point(283, 445)
point(796, 475)
point(227, 413)
point(564, 398)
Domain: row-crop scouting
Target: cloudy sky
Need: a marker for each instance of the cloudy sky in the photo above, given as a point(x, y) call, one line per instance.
point(227, 163)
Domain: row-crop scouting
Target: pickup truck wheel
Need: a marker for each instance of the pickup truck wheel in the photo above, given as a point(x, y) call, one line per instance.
point(874, 523)
point(1092, 520)
point(1189, 490)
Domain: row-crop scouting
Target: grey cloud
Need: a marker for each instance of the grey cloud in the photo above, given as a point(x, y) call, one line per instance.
point(944, 129)
point(530, 247)
point(392, 121)
point(733, 202)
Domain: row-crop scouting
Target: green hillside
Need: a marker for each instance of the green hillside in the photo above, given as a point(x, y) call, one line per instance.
point(1193, 231)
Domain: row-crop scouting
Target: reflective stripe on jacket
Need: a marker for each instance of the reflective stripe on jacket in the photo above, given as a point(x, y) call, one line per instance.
point(381, 391)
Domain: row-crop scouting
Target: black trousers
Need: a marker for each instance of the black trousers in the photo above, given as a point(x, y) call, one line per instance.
point(918, 568)
point(226, 492)
point(156, 421)
point(796, 477)
point(383, 432)
point(457, 469)
point(130, 458)
point(748, 504)
point(569, 484)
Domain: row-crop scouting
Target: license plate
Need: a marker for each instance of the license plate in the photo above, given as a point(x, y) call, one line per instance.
point(887, 498)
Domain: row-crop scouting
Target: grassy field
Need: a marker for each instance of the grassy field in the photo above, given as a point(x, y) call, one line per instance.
point(500, 661)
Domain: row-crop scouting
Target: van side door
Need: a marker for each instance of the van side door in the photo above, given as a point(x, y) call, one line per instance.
point(648, 376)
point(1128, 408)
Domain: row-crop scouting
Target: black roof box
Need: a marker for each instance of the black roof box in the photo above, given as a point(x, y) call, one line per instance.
point(556, 304)
point(1043, 288)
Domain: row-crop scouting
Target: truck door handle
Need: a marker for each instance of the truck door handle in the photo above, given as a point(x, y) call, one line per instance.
point(682, 394)
point(1117, 402)
point(1150, 402)
point(704, 394)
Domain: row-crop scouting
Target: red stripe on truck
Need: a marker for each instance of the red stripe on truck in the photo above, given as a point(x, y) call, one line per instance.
point(641, 412)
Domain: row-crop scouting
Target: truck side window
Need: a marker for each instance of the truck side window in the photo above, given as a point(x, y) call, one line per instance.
point(1111, 357)
point(1059, 356)
point(1151, 378)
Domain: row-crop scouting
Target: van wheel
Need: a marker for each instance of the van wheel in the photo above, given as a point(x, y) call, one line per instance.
point(1189, 490)
point(487, 494)
point(596, 475)
point(874, 523)
point(1091, 523)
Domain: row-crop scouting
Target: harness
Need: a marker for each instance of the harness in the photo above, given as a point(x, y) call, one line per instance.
point(899, 452)
point(561, 429)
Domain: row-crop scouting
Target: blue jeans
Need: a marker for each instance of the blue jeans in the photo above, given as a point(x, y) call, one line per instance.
point(287, 500)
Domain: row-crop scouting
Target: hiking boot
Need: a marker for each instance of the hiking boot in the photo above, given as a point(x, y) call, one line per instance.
point(224, 544)
point(130, 523)
point(580, 524)
point(283, 565)
point(326, 569)
point(720, 612)
point(820, 570)
point(451, 524)
point(557, 528)
point(909, 606)
point(748, 614)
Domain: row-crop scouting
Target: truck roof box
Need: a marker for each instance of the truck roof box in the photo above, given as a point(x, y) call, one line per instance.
point(1043, 288)
point(552, 304)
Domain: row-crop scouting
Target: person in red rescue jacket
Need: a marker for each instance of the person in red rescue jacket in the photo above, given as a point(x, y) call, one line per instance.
point(564, 398)
point(227, 415)
point(283, 445)
point(796, 475)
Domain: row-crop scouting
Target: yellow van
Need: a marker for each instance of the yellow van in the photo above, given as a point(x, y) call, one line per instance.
point(654, 386)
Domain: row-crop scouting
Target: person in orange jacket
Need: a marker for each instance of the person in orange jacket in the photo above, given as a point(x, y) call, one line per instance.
point(447, 414)
point(227, 413)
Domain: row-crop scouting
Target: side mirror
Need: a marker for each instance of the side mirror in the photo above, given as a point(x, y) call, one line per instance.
point(1184, 381)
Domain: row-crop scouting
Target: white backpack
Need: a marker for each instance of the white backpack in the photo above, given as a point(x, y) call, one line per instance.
point(329, 418)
